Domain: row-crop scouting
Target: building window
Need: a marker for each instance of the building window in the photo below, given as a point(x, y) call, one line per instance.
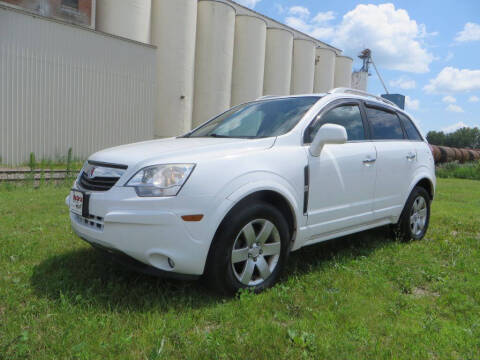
point(70, 3)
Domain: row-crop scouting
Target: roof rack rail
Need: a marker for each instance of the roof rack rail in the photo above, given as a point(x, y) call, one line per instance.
point(345, 90)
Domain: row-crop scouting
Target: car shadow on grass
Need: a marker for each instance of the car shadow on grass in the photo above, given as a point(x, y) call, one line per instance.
point(88, 277)
point(311, 258)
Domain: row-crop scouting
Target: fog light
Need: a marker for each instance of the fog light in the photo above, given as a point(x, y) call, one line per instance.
point(171, 263)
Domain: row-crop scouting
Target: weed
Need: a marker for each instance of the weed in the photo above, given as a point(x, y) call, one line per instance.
point(470, 170)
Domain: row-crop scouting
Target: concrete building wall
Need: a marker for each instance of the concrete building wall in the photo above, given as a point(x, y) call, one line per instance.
point(360, 80)
point(64, 86)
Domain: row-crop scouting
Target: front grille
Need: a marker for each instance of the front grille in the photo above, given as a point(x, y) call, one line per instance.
point(97, 183)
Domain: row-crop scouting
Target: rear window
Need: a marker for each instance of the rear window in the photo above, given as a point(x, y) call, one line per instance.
point(384, 125)
point(410, 129)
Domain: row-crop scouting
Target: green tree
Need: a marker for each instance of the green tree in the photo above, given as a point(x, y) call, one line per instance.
point(436, 138)
point(462, 138)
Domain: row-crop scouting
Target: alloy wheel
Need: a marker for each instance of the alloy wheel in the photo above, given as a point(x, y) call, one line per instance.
point(418, 216)
point(256, 252)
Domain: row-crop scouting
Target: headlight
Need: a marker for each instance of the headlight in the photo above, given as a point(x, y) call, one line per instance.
point(161, 180)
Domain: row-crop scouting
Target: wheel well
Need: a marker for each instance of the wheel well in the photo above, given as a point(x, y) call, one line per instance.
point(427, 185)
point(270, 197)
point(275, 199)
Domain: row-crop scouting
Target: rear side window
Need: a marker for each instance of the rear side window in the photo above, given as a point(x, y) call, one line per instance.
point(410, 129)
point(384, 125)
point(348, 116)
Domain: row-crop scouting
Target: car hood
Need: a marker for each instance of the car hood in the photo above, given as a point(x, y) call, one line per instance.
point(178, 150)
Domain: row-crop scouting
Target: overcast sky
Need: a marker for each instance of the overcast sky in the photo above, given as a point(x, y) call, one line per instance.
point(427, 50)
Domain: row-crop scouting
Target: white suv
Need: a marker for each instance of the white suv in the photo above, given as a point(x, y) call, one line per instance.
point(233, 197)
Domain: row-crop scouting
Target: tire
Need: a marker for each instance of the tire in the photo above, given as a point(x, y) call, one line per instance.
point(234, 253)
point(415, 218)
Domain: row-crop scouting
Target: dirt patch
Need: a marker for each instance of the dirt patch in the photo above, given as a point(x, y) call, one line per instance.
point(419, 292)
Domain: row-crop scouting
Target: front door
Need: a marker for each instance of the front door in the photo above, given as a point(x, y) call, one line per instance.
point(342, 178)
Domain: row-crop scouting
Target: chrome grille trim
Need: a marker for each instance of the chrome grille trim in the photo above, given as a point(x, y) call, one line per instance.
point(96, 176)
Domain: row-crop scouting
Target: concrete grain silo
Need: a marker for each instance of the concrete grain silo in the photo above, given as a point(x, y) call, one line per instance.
point(248, 58)
point(213, 59)
point(324, 70)
point(173, 33)
point(126, 18)
point(343, 71)
point(278, 62)
point(303, 66)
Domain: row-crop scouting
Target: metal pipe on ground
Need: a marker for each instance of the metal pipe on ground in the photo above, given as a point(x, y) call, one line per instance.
point(436, 153)
point(465, 155)
point(458, 154)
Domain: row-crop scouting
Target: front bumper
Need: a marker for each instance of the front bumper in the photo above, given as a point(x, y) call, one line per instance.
point(138, 266)
point(149, 230)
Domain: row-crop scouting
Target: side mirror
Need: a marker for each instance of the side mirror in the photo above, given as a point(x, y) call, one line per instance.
point(328, 134)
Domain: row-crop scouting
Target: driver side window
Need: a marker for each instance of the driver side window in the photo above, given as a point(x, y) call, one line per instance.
point(348, 116)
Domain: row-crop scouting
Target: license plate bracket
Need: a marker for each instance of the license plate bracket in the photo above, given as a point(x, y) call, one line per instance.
point(80, 202)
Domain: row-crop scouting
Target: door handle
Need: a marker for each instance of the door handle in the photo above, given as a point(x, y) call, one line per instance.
point(369, 160)
point(411, 156)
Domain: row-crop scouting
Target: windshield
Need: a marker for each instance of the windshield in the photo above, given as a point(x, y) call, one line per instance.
point(264, 118)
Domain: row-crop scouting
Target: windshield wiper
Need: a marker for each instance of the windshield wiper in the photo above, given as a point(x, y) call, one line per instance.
point(218, 136)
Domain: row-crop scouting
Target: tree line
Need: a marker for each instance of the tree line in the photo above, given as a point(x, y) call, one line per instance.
point(462, 138)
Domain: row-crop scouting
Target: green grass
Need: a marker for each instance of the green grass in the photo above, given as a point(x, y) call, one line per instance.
point(364, 296)
point(470, 170)
point(48, 164)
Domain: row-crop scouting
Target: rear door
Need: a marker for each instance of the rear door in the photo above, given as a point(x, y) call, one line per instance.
point(342, 178)
point(424, 154)
point(396, 160)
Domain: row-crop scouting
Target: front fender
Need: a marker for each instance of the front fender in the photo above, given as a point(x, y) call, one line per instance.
point(260, 181)
point(251, 183)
